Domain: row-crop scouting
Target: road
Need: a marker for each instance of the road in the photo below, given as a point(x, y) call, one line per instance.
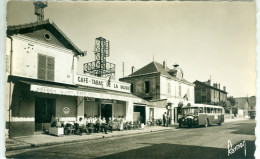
point(211, 142)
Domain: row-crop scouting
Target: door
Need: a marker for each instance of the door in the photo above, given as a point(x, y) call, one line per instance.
point(106, 111)
point(44, 111)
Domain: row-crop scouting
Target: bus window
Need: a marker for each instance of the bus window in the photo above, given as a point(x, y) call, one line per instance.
point(215, 110)
point(208, 110)
point(201, 110)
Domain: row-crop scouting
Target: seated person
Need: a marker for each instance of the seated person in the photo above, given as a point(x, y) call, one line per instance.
point(98, 124)
point(110, 124)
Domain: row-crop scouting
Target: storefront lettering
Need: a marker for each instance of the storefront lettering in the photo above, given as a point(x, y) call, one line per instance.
point(124, 87)
point(100, 82)
point(83, 79)
point(97, 82)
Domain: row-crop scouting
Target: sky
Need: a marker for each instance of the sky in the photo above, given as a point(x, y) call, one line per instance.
point(214, 40)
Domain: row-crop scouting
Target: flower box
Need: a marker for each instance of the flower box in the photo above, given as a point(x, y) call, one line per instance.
point(56, 131)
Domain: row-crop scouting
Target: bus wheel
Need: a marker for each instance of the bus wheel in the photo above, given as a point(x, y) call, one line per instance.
point(206, 123)
point(219, 123)
point(180, 125)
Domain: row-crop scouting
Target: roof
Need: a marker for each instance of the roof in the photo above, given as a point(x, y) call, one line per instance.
point(154, 67)
point(241, 102)
point(46, 24)
point(206, 85)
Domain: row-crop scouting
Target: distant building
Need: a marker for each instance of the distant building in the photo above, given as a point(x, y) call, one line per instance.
point(207, 94)
point(242, 105)
point(162, 85)
point(252, 106)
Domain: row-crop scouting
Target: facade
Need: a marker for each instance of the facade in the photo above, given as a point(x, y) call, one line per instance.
point(242, 105)
point(252, 106)
point(207, 94)
point(43, 82)
point(164, 88)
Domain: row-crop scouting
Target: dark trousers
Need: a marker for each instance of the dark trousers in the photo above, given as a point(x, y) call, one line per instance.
point(164, 122)
point(97, 127)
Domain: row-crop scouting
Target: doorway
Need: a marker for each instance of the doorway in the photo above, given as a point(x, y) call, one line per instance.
point(106, 111)
point(44, 111)
point(139, 110)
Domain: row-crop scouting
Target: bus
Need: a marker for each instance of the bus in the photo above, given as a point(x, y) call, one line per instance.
point(201, 115)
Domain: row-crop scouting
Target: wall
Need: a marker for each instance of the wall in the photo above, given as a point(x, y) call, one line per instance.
point(22, 112)
point(129, 110)
point(172, 94)
point(25, 59)
point(139, 86)
point(66, 101)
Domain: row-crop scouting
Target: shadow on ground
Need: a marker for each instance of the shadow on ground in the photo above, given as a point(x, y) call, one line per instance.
point(244, 128)
point(168, 151)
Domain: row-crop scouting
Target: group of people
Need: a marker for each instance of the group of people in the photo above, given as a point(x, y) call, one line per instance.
point(97, 123)
point(166, 119)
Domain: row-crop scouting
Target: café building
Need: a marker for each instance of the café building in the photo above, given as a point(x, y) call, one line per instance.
point(42, 82)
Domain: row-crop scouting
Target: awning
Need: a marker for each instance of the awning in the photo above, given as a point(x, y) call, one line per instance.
point(80, 91)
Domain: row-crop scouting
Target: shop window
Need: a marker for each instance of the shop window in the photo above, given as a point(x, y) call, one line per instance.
point(147, 87)
point(46, 65)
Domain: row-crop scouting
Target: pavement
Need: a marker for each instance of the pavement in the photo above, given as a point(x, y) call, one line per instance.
point(182, 143)
point(40, 140)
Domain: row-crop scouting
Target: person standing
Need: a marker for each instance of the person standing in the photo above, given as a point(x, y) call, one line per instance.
point(164, 118)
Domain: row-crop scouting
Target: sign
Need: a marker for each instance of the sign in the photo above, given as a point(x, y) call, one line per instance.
point(66, 110)
point(71, 92)
point(99, 82)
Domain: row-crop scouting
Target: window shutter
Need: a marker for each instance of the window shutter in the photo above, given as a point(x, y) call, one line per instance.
point(42, 66)
point(50, 68)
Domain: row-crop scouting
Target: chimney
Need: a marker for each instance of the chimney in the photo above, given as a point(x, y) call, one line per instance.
point(164, 64)
point(209, 82)
point(224, 88)
point(219, 86)
point(175, 65)
point(133, 69)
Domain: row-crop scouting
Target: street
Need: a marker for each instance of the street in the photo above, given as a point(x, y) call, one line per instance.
point(210, 142)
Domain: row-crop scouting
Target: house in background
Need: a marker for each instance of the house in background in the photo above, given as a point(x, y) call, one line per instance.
point(161, 86)
point(242, 105)
point(207, 94)
point(252, 107)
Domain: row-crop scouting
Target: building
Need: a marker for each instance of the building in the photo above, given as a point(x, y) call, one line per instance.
point(252, 106)
point(207, 94)
point(165, 88)
point(43, 82)
point(242, 105)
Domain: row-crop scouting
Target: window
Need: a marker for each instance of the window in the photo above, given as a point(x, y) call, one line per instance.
point(46, 65)
point(180, 90)
point(147, 86)
point(169, 87)
point(132, 88)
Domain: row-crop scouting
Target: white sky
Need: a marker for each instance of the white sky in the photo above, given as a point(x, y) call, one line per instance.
point(204, 38)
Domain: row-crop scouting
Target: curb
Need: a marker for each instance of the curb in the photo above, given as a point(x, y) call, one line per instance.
point(78, 140)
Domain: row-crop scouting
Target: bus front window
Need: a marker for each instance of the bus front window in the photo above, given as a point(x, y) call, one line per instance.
point(190, 111)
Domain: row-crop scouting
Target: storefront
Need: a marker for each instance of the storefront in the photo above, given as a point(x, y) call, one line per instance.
point(36, 103)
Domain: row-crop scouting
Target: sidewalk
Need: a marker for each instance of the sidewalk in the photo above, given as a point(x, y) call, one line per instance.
point(45, 139)
point(236, 119)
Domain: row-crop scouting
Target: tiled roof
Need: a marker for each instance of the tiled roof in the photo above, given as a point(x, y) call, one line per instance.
point(241, 102)
point(46, 24)
point(206, 85)
point(154, 67)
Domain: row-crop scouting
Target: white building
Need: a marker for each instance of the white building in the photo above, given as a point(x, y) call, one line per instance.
point(163, 87)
